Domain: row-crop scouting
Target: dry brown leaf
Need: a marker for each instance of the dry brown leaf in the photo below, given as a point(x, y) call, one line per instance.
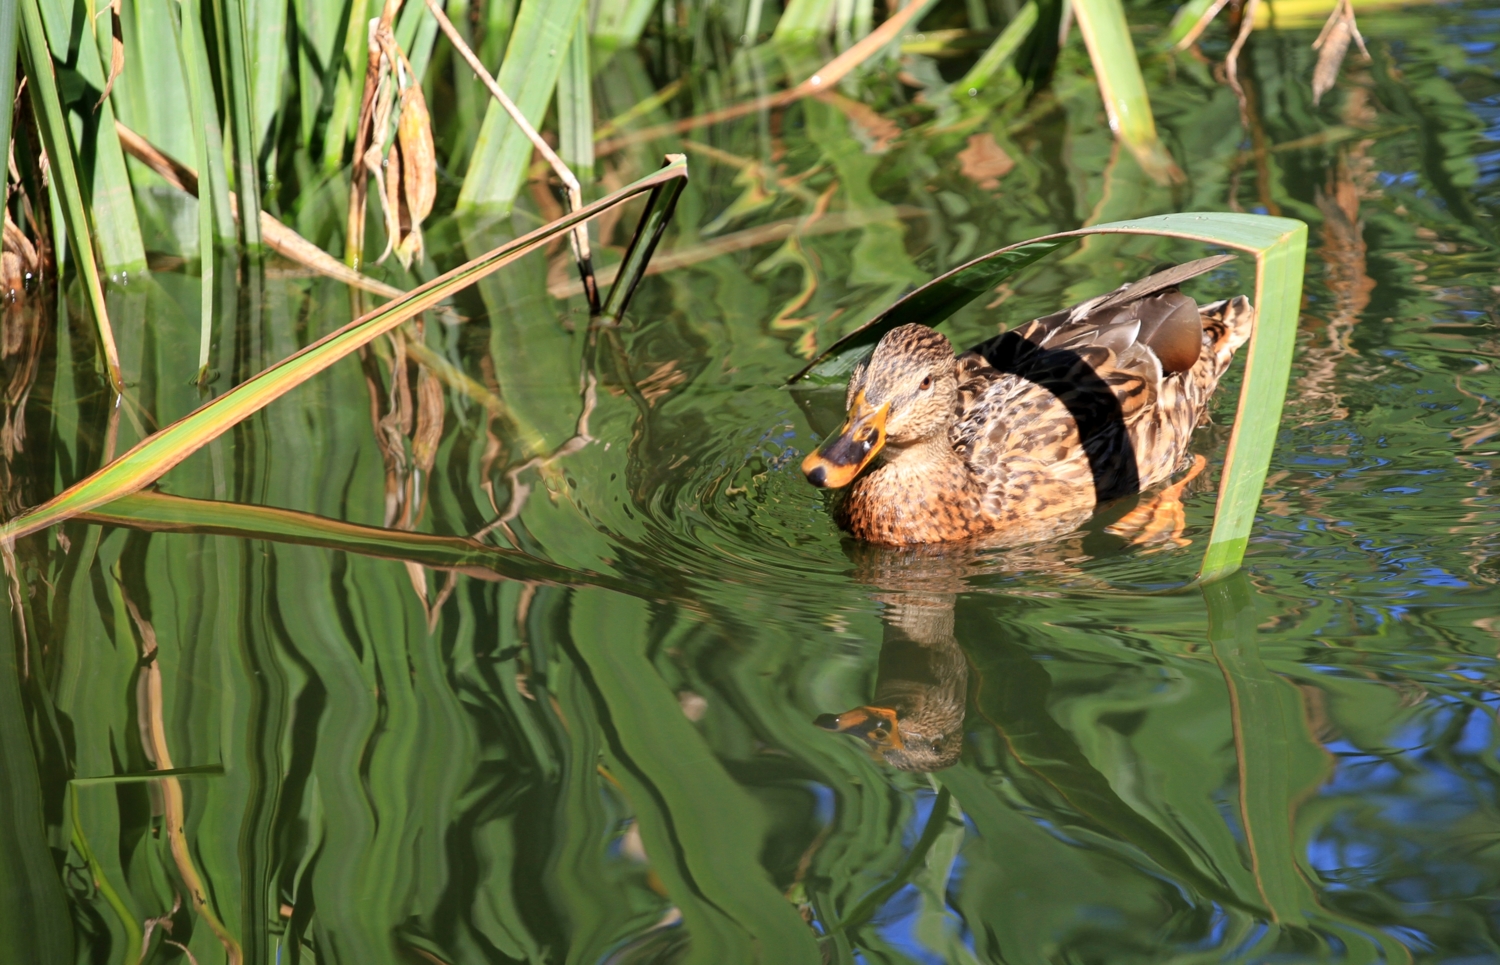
point(391, 202)
point(418, 169)
point(116, 52)
point(430, 411)
point(19, 261)
point(984, 161)
point(418, 157)
point(1331, 57)
point(879, 129)
point(1333, 46)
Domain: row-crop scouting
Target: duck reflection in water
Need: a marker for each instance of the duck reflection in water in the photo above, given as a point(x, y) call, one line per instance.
point(915, 721)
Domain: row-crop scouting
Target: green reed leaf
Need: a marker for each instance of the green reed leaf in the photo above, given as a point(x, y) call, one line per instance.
point(82, 75)
point(266, 26)
point(1280, 249)
point(1107, 35)
point(199, 770)
point(575, 105)
point(533, 61)
point(642, 245)
point(111, 200)
point(804, 20)
point(999, 54)
point(151, 459)
point(58, 142)
point(344, 81)
point(239, 97)
point(619, 23)
point(9, 34)
point(1186, 18)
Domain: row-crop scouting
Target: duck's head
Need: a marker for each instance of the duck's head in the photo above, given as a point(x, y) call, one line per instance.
point(907, 392)
point(903, 743)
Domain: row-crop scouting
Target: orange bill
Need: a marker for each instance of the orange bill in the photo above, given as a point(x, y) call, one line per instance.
point(876, 726)
point(842, 455)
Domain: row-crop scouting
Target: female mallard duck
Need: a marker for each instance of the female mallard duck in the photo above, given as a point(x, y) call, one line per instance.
point(1050, 419)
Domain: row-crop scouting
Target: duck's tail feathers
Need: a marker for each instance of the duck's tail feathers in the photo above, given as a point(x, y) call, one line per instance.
point(1227, 324)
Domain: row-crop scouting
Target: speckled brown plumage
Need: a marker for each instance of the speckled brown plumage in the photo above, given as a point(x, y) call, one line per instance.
point(1092, 403)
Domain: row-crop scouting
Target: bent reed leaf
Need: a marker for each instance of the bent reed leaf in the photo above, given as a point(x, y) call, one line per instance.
point(158, 453)
point(161, 513)
point(1280, 249)
point(511, 154)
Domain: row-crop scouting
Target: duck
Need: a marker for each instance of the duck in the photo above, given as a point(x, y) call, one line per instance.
point(915, 720)
point(1042, 422)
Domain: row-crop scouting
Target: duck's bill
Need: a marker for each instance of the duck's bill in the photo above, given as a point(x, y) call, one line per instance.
point(874, 725)
point(842, 455)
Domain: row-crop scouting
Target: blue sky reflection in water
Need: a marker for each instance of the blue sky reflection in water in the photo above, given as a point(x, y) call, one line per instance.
point(427, 764)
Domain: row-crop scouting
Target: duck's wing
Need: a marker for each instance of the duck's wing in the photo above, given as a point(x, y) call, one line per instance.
point(1057, 437)
point(1150, 312)
point(1053, 414)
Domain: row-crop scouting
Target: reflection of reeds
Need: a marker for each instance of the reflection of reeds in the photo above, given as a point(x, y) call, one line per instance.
point(151, 706)
point(22, 339)
point(1344, 252)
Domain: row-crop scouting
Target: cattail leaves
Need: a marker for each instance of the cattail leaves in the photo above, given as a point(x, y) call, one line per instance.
point(579, 239)
point(534, 59)
point(575, 105)
point(229, 17)
point(9, 35)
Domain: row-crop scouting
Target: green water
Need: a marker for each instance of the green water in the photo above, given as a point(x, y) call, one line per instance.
point(617, 761)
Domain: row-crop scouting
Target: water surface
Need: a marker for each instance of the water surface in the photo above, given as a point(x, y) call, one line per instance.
point(405, 753)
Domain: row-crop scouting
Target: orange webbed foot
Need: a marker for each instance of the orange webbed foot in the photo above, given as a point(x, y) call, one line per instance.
point(1160, 519)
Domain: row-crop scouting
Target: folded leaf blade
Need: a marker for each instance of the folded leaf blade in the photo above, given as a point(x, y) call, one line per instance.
point(158, 453)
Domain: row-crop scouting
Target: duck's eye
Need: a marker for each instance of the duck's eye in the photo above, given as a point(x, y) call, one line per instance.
point(926, 384)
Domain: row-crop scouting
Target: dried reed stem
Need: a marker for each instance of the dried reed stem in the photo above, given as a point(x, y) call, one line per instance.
point(580, 234)
point(826, 77)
